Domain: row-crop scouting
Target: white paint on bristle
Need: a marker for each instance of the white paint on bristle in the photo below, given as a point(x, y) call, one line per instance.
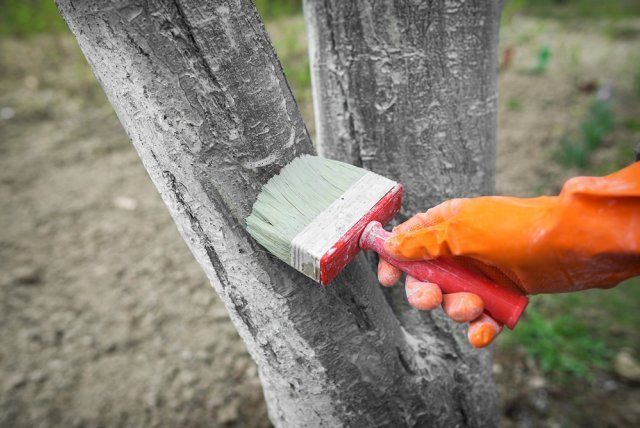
point(308, 246)
point(312, 201)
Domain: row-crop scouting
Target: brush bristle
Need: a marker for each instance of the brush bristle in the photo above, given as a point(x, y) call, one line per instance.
point(293, 198)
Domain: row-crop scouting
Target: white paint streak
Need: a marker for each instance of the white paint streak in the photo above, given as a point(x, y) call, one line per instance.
point(267, 160)
point(292, 138)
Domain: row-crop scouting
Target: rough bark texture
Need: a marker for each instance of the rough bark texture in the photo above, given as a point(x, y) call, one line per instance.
point(408, 89)
point(198, 88)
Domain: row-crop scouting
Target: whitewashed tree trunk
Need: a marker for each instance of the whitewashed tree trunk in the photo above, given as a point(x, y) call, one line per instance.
point(408, 89)
point(202, 96)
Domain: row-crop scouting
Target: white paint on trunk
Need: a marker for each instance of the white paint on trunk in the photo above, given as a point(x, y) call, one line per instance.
point(408, 90)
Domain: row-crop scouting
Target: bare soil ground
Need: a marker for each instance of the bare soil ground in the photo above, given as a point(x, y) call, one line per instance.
point(537, 110)
point(107, 319)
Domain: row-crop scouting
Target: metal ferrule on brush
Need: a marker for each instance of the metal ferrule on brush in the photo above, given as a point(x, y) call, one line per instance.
point(333, 227)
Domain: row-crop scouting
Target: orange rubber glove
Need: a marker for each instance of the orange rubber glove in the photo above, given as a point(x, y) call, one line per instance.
point(586, 237)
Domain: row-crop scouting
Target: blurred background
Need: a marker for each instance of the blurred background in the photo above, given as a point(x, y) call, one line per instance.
point(106, 319)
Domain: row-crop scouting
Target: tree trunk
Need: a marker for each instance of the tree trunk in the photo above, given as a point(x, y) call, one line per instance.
point(198, 89)
point(409, 90)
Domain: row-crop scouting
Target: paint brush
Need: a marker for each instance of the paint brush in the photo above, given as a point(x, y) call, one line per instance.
point(317, 214)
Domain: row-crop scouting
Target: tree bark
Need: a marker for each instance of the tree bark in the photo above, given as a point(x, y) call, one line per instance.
point(409, 90)
point(203, 98)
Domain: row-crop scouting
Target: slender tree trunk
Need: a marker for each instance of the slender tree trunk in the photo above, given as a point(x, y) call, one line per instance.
point(409, 90)
point(198, 89)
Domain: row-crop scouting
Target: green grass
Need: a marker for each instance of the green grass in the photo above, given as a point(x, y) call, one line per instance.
point(295, 63)
point(576, 150)
point(632, 124)
point(572, 9)
point(544, 55)
point(561, 344)
point(514, 104)
point(273, 9)
point(287, 36)
point(570, 335)
point(26, 17)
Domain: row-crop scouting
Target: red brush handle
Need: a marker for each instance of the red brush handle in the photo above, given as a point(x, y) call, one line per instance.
point(504, 305)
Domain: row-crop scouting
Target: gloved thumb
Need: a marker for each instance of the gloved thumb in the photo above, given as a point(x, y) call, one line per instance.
point(420, 244)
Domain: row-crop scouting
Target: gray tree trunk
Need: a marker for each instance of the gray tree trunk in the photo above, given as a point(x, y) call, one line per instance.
point(409, 90)
point(202, 96)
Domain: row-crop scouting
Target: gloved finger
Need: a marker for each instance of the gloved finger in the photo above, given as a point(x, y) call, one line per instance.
point(388, 274)
point(494, 274)
point(418, 221)
point(462, 307)
point(483, 330)
point(433, 216)
point(424, 236)
point(422, 295)
point(421, 244)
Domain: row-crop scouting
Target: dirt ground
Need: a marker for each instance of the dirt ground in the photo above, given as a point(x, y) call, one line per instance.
point(107, 319)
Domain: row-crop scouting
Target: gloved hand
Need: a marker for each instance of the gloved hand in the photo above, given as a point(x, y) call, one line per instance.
point(587, 237)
